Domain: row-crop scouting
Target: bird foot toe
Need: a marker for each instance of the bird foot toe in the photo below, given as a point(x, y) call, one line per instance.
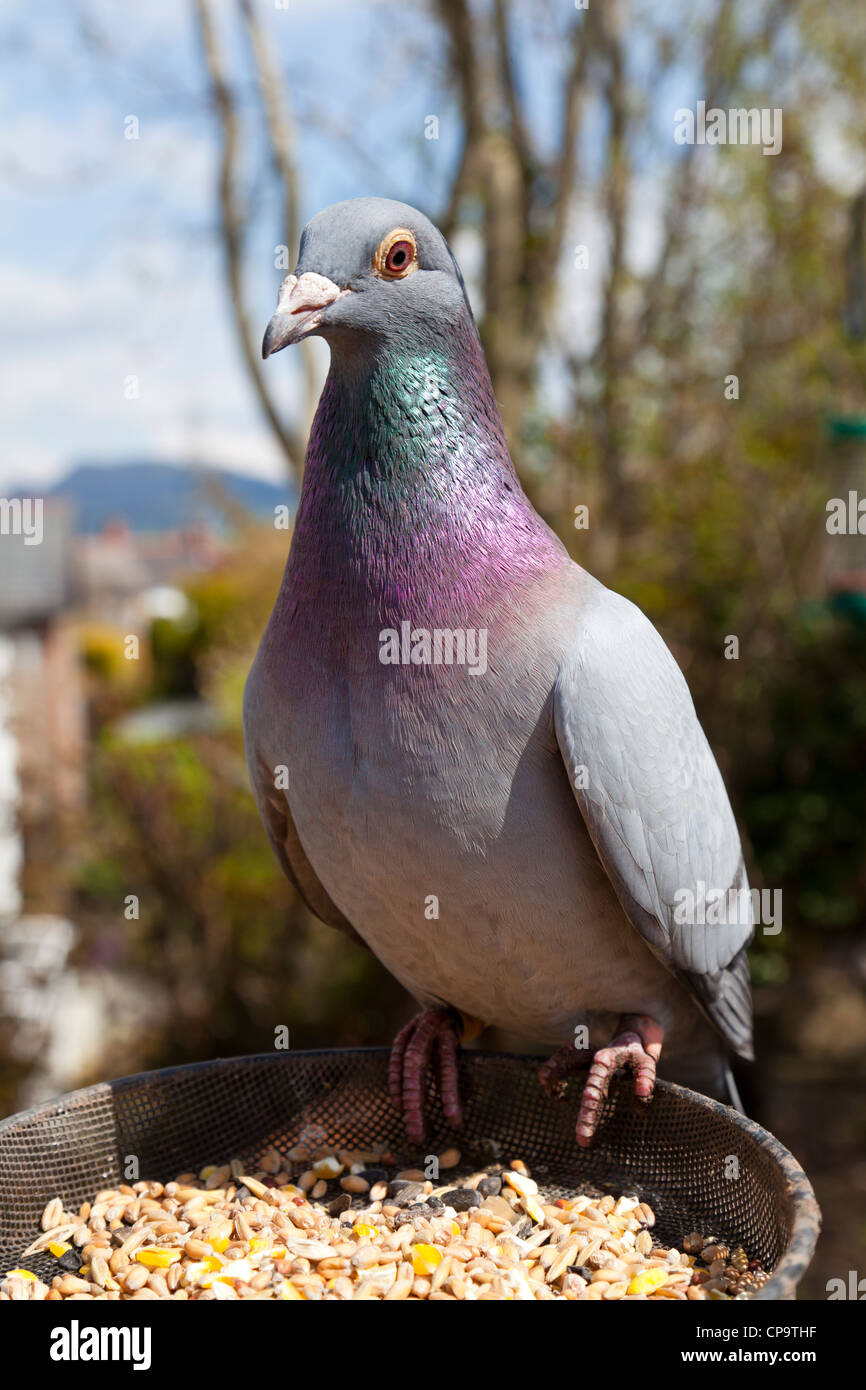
point(431, 1037)
point(556, 1070)
point(638, 1046)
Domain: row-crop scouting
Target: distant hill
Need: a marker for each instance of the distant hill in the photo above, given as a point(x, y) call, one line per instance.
point(162, 496)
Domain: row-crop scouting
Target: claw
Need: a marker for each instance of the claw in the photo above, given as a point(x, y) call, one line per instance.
point(559, 1067)
point(637, 1046)
point(449, 1086)
point(432, 1035)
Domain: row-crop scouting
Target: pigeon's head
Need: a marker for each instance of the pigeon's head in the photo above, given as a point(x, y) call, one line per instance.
point(369, 270)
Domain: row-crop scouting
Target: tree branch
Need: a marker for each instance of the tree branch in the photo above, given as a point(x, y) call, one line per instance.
point(612, 322)
point(516, 122)
point(685, 185)
point(280, 130)
point(233, 225)
point(457, 22)
point(544, 268)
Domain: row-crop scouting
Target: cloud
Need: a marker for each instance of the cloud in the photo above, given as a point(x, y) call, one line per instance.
point(64, 393)
point(252, 450)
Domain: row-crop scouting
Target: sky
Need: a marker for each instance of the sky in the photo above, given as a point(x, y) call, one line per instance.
point(109, 263)
point(110, 267)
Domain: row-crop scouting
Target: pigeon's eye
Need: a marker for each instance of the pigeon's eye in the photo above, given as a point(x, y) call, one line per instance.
point(396, 255)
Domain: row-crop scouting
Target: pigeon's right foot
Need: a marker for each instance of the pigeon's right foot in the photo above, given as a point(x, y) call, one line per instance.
point(638, 1046)
point(433, 1035)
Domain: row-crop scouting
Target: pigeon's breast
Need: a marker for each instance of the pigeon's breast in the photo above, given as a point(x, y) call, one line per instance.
point(434, 807)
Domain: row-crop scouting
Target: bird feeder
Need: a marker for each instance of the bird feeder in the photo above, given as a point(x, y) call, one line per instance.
point(677, 1153)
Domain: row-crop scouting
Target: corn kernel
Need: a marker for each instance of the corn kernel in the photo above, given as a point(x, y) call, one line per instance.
point(649, 1280)
point(363, 1231)
point(59, 1247)
point(532, 1207)
point(289, 1292)
point(258, 1189)
point(527, 1187)
point(221, 1244)
point(20, 1274)
point(200, 1273)
point(425, 1258)
point(329, 1167)
point(158, 1259)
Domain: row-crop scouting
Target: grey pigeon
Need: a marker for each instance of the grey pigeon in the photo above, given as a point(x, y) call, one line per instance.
point(496, 777)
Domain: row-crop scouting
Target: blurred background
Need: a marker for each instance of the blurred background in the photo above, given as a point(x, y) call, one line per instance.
point(677, 337)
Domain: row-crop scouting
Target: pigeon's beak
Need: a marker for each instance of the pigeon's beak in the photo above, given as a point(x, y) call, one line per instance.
point(301, 303)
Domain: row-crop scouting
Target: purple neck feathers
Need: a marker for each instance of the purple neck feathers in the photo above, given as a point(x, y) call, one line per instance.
point(409, 496)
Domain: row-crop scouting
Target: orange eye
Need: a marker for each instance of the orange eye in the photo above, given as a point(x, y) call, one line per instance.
point(399, 257)
point(396, 255)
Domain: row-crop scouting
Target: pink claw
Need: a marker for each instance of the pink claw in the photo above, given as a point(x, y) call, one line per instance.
point(637, 1045)
point(559, 1067)
point(432, 1035)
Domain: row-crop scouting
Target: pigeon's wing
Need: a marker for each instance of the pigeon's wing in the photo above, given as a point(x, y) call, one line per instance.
point(274, 811)
point(655, 806)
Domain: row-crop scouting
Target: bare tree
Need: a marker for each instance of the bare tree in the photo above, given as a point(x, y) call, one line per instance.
point(233, 208)
point(525, 196)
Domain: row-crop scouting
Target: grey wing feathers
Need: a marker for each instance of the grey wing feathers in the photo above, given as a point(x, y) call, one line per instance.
point(655, 804)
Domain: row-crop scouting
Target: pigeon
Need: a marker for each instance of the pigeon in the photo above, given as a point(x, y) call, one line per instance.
point(470, 755)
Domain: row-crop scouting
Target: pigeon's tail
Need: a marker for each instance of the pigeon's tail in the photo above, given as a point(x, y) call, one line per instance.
point(733, 1093)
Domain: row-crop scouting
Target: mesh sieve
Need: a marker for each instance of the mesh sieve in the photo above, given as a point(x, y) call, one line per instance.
point(701, 1165)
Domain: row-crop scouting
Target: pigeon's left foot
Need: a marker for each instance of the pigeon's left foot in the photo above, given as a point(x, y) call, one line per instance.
point(638, 1046)
point(434, 1034)
point(557, 1069)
